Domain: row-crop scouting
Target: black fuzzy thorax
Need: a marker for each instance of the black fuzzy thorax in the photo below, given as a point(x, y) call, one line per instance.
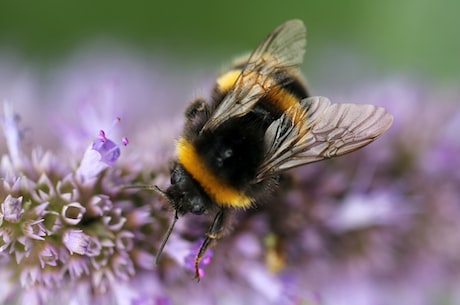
point(234, 151)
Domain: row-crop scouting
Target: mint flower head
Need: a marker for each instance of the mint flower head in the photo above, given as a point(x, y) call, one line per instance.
point(44, 208)
point(62, 225)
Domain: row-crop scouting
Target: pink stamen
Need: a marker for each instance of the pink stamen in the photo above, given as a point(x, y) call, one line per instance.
point(102, 136)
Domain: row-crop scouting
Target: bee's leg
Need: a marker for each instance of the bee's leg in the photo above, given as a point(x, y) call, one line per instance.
point(214, 232)
point(197, 108)
point(196, 115)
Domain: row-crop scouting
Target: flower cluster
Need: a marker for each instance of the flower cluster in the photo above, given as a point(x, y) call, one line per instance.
point(375, 227)
point(78, 221)
point(61, 224)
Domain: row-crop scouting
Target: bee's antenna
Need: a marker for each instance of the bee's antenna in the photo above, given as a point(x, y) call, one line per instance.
point(171, 227)
point(148, 187)
point(165, 239)
point(159, 191)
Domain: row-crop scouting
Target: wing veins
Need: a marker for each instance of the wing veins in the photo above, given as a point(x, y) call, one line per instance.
point(323, 130)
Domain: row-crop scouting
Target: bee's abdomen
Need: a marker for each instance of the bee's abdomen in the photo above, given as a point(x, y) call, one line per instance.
point(290, 88)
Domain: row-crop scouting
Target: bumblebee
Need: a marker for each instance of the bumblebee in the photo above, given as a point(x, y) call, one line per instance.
point(260, 122)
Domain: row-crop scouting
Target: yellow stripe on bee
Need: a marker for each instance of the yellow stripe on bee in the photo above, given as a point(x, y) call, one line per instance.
point(282, 99)
point(226, 81)
point(219, 191)
point(278, 97)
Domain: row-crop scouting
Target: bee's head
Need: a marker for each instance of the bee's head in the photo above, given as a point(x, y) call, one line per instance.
point(184, 193)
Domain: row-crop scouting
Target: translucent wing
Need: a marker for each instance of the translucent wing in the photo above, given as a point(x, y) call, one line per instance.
point(281, 49)
point(315, 129)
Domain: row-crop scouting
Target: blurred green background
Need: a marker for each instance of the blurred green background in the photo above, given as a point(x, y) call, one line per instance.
point(418, 37)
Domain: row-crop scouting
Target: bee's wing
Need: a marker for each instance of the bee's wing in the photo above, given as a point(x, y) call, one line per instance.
point(315, 129)
point(281, 49)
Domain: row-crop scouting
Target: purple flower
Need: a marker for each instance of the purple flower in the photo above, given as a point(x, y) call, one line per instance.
point(102, 153)
point(11, 209)
point(76, 241)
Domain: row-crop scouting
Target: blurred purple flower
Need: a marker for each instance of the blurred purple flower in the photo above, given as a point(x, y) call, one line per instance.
point(375, 227)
